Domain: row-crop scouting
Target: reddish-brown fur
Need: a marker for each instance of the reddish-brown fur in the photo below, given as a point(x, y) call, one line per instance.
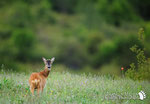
point(38, 80)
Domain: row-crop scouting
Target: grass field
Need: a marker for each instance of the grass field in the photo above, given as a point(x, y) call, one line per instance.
point(64, 87)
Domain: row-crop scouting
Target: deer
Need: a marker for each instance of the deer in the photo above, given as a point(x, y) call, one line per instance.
point(37, 80)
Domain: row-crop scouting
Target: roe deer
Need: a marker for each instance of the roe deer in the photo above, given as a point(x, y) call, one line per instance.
point(38, 80)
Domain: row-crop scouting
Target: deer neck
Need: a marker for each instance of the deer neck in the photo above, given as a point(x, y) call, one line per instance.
point(45, 72)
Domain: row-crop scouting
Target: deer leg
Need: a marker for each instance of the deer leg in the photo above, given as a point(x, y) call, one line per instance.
point(41, 89)
point(38, 91)
point(32, 90)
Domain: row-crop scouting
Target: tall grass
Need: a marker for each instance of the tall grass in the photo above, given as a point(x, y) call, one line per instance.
point(64, 87)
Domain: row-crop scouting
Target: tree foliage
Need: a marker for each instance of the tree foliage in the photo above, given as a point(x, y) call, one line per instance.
point(142, 69)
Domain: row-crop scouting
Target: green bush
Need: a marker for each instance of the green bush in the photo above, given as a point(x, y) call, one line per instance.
point(123, 55)
point(29, 14)
point(23, 41)
point(116, 50)
point(142, 8)
point(41, 12)
point(5, 32)
point(7, 51)
point(105, 53)
point(21, 11)
point(72, 54)
point(66, 6)
point(147, 31)
point(93, 41)
point(6, 2)
point(147, 37)
point(141, 71)
point(115, 11)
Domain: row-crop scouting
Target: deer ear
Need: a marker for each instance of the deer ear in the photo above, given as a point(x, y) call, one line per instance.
point(52, 60)
point(44, 60)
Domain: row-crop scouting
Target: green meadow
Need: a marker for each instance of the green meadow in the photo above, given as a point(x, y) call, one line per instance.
point(67, 88)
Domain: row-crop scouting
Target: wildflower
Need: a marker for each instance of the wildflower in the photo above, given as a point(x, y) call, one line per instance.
point(21, 83)
point(122, 68)
point(51, 92)
point(86, 81)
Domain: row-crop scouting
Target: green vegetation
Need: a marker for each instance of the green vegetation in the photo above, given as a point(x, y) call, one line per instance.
point(71, 88)
point(141, 72)
point(85, 35)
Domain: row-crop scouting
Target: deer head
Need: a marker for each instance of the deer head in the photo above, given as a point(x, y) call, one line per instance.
point(48, 62)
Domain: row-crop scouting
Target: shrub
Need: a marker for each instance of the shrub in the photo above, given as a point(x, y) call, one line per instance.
point(116, 50)
point(41, 12)
point(147, 31)
point(115, 11)
point(122, 55)
point(7, 52)
point(142, 8)
point(72, 54)
point(141, 71)
point(22, 11)
point(5, 32)
point(66, 6)
point(93, 41)
point(23, 40)
point(147, 37)
point(105, 53)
